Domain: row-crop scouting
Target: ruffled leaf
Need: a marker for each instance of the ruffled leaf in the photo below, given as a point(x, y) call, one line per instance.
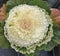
point(55, 40)
point(46, 47)
point(49, 46)
point(43, 4)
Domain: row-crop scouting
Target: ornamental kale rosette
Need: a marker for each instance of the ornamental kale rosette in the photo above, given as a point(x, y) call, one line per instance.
point(28, 27)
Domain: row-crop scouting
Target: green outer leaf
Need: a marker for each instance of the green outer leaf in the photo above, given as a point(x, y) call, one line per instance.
point(46, 47)
point(56, 34)
point(36, 53)
point(43, 4)
point(3, 41)
point(55, 40)
point(49, 46)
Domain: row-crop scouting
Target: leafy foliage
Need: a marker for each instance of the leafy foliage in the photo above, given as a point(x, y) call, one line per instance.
point(47, 47)
point(56, 34)
point(43, 4)
point(3, 41)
